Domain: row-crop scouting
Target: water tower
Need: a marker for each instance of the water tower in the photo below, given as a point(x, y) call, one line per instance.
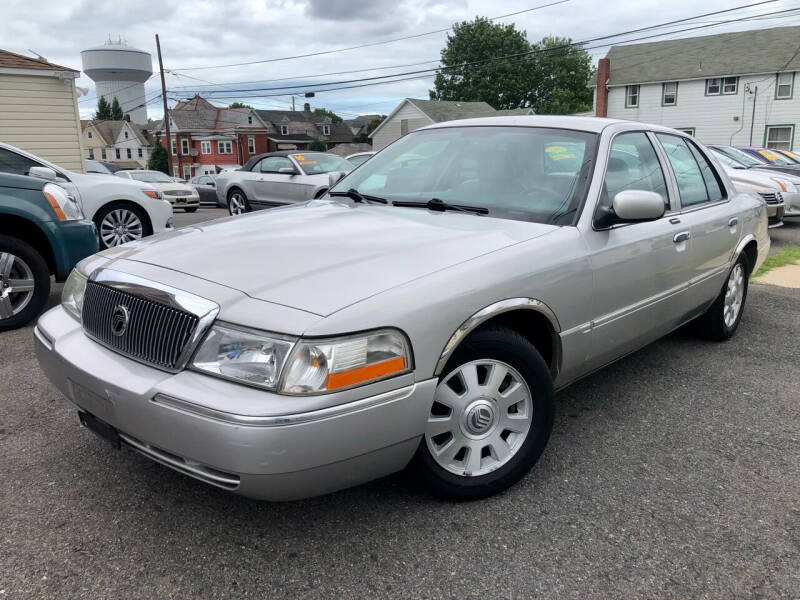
point(120, 70)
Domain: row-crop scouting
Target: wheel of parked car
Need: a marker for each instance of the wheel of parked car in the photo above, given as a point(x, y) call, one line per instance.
point(237, 203)
point(190, 209)
point(121, 223)
point(491, 416)
point(24, 282)
point(720, 321)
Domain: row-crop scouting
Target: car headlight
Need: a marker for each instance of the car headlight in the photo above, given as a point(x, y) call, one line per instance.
point(64, 205)
point(332, 364)
point(154, 194)
point(782, 183)
point(243, 355)
point(72, 294)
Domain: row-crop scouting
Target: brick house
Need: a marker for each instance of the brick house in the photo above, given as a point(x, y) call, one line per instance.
point(295, 129)
point(209, 139)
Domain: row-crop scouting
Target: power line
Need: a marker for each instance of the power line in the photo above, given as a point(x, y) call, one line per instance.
point(369, 44)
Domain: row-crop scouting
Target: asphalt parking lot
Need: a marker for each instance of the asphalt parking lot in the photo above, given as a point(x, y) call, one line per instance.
point(673, 473)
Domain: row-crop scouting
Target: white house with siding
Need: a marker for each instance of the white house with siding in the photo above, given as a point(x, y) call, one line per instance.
point(733, 88)
point(39, 109)
point(412, 114)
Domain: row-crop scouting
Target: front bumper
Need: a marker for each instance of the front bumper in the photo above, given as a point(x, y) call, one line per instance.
point(74, 241)
point(775, 213)
point(792, 203)
point(180, 420)
point(190, 201)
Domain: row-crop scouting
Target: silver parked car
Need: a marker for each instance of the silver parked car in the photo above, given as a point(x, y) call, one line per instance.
point(422, 314)
point(278, 178)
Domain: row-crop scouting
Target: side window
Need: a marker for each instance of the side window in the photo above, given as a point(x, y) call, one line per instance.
point(691, 182)
point(713, 185)
point(272, 164)
point(11, 162)
point(633, 165)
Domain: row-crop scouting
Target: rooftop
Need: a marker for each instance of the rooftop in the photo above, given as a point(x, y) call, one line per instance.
point(10, 60)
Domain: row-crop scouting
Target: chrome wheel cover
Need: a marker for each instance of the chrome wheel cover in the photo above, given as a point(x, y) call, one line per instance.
point(119, 226)
point(734, 295)
point(480, 417)
point(236, 205)
point(17, 285)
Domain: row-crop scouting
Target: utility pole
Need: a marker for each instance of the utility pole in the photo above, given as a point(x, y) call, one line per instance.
point(753, 116)
point(166, 113)
point(292, 102)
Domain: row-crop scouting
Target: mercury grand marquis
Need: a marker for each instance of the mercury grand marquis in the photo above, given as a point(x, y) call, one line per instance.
point(420, 315)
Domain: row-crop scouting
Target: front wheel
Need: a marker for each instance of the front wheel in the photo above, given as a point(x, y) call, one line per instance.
point(24, 283)
point(118, 224)
point(237, 203)
point(491, 417)
point(721, 320)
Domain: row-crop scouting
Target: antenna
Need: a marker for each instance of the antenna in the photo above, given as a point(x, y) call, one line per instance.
point(38, 56)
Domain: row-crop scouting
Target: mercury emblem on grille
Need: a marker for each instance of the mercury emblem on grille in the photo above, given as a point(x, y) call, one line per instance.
point(119, 320)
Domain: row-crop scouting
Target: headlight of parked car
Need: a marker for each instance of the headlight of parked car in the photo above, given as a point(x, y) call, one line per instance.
point(154, 194)
point(243, 355)
point(64, 205)
point(330, 364)
point(72, 294)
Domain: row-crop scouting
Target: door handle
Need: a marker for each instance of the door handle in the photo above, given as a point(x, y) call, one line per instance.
point(681, 237)
point(733, 222)
point(674, 220)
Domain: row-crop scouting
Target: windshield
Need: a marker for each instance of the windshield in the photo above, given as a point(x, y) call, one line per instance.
point(795, 158)
point(359, 159)
point(743, 157)
point(95, 167)
point(316, 163)
point(523, 173)
point(151, 177)
point(727, 160)
point(774, 157)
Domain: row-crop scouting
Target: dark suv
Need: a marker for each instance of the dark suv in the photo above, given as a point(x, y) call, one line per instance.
point(42, 233)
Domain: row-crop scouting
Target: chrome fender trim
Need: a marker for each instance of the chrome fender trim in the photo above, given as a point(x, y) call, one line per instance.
point(750, 237)
point(487, 313)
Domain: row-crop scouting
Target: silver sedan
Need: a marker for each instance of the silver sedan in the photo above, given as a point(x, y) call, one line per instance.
point(420, 315)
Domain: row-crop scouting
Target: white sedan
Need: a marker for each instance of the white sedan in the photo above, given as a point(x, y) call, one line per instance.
point(180, 195)
point(123, 211)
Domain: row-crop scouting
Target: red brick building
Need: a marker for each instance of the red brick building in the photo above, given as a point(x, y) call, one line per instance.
point(209, 139)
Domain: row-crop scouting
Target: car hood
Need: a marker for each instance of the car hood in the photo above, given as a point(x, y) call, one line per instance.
point(324, 255)
point(163, 187)
point(755, 178)
point(84, 179)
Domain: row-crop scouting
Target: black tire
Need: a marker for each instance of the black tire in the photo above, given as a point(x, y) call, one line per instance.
point(506, 346)
point(242, 196)
point(712, 324)
point(190, 209)
point(41, 282)
point(101, 214)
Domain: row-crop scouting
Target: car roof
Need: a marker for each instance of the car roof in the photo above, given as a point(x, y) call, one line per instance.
point(592, 124)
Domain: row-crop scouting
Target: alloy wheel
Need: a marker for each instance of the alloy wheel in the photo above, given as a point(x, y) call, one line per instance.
point(237, 206)
point(119, 226)
point(480, 417)
point(734, 294)
point(17, 285)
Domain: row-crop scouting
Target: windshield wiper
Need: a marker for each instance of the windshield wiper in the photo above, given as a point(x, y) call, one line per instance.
point(357, 196)
point(441, 206)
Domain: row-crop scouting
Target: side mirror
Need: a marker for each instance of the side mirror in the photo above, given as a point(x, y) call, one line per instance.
point(631, 206)
point(287, 171)
point(43, 173)
point(335, 177)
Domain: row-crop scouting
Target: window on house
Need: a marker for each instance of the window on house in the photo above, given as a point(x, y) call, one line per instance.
point(174, 146)
point(139, 152)
point(89, 134)
point(249, 120)
point(187, 172)
point(669, 93)
point(779, 137)
point(224, 147)
point(686, 130)
point(284, 130)
point(251, 144)
point(184, 146)
point(205, 147)
point(126, 135)
point(128, 151)
point(631, 96)
point(116, 152)
point(91, 154)
point(103, 153)
point(326, 130)
point(403, 126)
point(730, 85)
point(784, 85)
point(175, 171)
point(713, 86)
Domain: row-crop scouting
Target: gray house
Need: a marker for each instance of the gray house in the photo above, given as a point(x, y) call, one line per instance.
point(412, 114)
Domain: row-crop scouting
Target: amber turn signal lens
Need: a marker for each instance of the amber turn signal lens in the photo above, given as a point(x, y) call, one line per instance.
point(55, 206)
point(366, 373)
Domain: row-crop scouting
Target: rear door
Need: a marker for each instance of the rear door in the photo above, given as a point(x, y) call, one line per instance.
point(706, 214)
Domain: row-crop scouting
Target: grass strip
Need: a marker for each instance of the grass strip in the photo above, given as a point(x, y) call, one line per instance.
point(787, 256)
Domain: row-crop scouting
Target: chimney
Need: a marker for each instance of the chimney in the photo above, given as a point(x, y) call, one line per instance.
point(601, 91)
point(307, 107)
point(127, 117)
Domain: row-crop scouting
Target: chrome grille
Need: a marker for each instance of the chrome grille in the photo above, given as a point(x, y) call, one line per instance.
point(773, 198)
point(155, 334)
point(177, 193)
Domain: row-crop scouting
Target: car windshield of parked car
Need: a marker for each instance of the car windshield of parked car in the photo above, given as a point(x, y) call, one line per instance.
point(523, 173)
point(794, 158)
point(774, 157)
point(360, 159)
point(743, 157)
point(152, 177)
point(727, 161)
point(316, 163)
point(92, 166)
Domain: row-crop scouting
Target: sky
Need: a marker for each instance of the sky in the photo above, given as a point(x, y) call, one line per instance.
point(209, 33)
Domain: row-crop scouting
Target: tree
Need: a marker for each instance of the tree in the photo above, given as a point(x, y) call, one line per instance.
point(363, 137)
point(502, 83)
point(560, 77)
point(316, 146)
point(103, 112)
point(116, 110)
point(239, 105)
point(327, 113)
point(158, 161)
